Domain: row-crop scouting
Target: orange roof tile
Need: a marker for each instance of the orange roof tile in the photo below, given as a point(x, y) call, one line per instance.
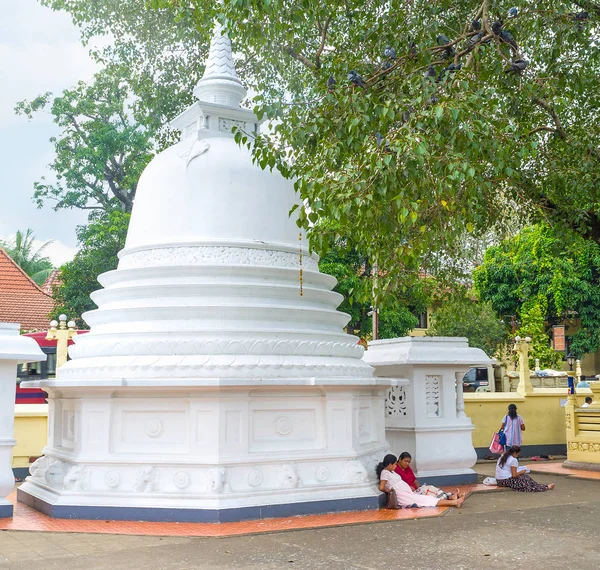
point(21, 299)
point(53, 280)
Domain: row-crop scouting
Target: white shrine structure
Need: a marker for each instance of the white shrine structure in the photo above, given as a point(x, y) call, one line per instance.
point(425, 414)
point(217, 382)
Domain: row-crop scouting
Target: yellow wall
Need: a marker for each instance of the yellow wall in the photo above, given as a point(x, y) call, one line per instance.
point(541, 411)
point(31, 432)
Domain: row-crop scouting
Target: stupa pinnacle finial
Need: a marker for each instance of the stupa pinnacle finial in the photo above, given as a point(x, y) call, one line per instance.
point(220, 83)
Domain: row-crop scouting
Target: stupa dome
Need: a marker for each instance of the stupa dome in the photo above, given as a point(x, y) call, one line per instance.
point(208, 191)
point(216, 283)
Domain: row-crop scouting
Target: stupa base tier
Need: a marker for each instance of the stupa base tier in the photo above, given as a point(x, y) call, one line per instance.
point(94, 508)
point(209, 454)
point(6, 509)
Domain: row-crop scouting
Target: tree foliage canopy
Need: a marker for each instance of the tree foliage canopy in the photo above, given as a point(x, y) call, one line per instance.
point(422, 147)
point(546, 275)
point(102, 147)
point(28, 256)
point(354, 275)
point(408, 164)
point(100, 241)
point(462, 316)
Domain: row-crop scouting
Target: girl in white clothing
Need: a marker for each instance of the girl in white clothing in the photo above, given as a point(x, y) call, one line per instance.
point(509, 474)
point(404, 495)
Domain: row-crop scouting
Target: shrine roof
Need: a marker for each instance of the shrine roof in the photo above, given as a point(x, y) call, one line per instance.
point(21, 299)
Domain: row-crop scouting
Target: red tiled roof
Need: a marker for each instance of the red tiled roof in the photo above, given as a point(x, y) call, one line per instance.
point(51, 281)
point(21, 300)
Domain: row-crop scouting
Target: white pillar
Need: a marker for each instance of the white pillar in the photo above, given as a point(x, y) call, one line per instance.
point(460, 401)
point(14, 349)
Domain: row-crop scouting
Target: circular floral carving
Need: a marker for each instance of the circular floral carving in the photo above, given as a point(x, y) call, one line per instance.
point(112, 479)
point(154, 427)
point(255, 478)
point(322, 473)
point(282, 425)
point(181, 479)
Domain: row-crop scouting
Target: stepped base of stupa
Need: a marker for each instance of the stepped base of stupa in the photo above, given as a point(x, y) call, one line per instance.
point(216, 453)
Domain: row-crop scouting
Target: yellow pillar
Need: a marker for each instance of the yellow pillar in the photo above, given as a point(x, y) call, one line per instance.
point(595, 388)
point(62, 335)
point(522, 349)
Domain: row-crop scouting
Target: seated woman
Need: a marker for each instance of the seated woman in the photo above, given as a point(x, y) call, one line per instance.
point(408, 476)
point(509, 474)
point(389, 480)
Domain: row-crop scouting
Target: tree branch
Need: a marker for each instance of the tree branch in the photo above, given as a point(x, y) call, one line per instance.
point(120, 195)
point(301, 58)
point(538, 129)
point(550, 109)
point(323, 30)
point(485, 16)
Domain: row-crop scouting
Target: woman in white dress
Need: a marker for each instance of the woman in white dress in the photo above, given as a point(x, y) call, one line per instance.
point(389, 480)
point(509, 474)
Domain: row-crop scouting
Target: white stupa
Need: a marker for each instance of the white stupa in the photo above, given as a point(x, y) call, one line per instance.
point(216, 382)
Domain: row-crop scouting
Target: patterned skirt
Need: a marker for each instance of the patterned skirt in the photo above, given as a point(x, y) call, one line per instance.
point(524, 483)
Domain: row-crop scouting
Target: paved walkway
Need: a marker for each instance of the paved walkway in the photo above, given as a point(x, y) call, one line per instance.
point(505, 529)
point(26, 518)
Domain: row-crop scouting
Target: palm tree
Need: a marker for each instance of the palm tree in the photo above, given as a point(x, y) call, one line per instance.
point(29, 258)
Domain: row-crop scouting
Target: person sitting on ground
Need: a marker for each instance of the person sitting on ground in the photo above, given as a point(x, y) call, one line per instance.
point(390, 480)
point(587, 403)
point(509, 474)
point(405, 471)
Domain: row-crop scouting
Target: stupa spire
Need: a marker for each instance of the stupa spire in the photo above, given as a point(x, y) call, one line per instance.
point(220, 83)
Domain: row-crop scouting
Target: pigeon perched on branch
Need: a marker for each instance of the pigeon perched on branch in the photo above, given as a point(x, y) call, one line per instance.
point(442, 40)
point(579, 16)
point(389, 52)
point(430, 73)
point(476, 25)
point(497, 27)
point(513, 12)
point(508, 38)
point(356, 79)
point(473, 40)
point(381, 142)
point(517, 66)
point(450, 69)
point(406, 114)
point(331, 83)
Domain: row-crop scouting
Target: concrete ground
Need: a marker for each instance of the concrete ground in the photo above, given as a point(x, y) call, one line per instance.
point(553, 530)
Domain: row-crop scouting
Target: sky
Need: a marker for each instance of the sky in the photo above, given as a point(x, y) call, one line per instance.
point(39, 51)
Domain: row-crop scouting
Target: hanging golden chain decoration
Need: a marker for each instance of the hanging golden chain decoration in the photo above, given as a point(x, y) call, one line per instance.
point(300, 260)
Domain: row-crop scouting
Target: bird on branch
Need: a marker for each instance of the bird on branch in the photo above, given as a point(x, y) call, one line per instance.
point(509, 39)
point(450, 69)
point(442, 40)
point(517, 66)
point(356, 79)
point(431, 73)
point(389, 52)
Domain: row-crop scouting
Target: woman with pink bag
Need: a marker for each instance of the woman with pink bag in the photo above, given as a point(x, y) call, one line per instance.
point(513, 425)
